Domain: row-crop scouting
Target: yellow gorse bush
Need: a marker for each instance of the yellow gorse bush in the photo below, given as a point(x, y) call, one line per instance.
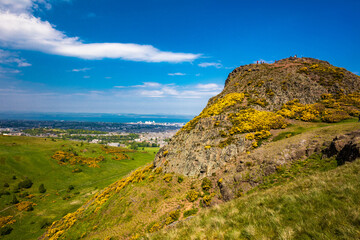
point(329, 109)
point(217, 108)
point(66, 158)
point(6, 220)
point(25, 206)
point(251, 120)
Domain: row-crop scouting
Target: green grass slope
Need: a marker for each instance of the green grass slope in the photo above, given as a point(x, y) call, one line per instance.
point(144, 202)
point(27, 157)
point(321, 205)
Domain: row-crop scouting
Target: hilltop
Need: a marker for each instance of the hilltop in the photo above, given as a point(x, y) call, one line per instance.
point(256, 99)
point(272, 126)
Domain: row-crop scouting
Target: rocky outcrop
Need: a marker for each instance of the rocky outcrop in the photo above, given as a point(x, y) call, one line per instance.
point(345, 147)
point(209, 142)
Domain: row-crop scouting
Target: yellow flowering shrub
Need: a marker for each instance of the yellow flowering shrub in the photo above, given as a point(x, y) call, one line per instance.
point(333, 115)
point(155, 227)
point(206, 184)
point(216, 108)
point(173, 216)
point(167, 177)
point(330, 108)
point(68, 158)
point(4, 221)
point(258, 135)
point(251, 120)
point(158, 170)
point(206, 200)
point(192, 195)
point(25, 206)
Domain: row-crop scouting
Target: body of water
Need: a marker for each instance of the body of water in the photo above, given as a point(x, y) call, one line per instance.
point(97, 117)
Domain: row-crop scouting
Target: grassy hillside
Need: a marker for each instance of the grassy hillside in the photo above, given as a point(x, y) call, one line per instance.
point(322, 205)
point(149, 200)
point(67, 186)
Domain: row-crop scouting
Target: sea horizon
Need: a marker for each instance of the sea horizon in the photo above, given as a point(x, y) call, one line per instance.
point(95, 117)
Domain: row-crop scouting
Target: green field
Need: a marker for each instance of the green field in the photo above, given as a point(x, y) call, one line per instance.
point(28, 157)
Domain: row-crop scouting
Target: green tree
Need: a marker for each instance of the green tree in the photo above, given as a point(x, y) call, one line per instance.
point(14, 200)
point(42, 188)
point(27, 183)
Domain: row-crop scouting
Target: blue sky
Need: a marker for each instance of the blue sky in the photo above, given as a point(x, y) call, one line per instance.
point(156, 56)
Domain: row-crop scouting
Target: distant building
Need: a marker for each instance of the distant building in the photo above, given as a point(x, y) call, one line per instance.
point(114, 144)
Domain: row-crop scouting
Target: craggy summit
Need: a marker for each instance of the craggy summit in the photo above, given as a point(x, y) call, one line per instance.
point(256, 100)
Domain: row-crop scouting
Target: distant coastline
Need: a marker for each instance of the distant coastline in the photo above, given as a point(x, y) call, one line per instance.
point(96, 117)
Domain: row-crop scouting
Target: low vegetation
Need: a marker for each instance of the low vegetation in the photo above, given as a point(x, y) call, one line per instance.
point(36, 190)
point(315, 206)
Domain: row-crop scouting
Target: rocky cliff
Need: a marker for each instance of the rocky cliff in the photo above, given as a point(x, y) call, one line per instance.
point(257, 100)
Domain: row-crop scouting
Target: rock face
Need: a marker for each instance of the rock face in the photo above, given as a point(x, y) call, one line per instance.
point(216, 137)
point(345, 147)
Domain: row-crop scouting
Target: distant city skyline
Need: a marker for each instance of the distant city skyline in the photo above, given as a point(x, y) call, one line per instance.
point(162, 56)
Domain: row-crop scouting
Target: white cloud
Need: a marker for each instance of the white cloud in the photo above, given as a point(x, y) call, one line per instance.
point(23, 6)
point(177, 74)
point(210, 64)
point(86, 76)
point(148, 85)
point(158, 90)
point(197, 75)
point(8, 70)
point(81, 69)
point(24, 31)
point(7, 57)
point(152, 93)
point(209, 87)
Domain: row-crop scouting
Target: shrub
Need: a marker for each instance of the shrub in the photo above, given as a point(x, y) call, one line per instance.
point(154, 227)
point(6, 185)
point(71, 187)
point(14, 200)
point(77, 170)
point(25, 206)
point(4, 193)
point(333, 116)
point(6, 220)
point(192, 195)
point(180, 179)
point(174, 216)
point(158, 170)
point(216, 108)
point(251, 120)
point(23, 194)
point(206, 184)
point(5, 230)
point(190, 212)
point(27, 183)
point(42, 188)
point(14, 177)
point(206, 200)
point(45, 223)
point(167, 178)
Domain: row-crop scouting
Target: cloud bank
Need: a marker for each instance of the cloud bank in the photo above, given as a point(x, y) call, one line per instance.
point(20, 29)
point(158, 90)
